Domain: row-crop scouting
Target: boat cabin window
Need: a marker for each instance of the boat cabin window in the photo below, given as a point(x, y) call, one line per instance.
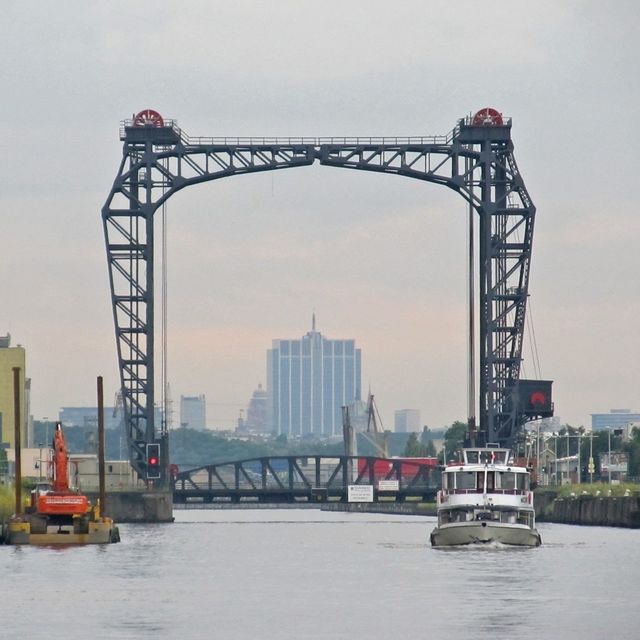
point(506, 480)
point(525, 517)
point(522, 481)
point(465, 480)
point(445, 516)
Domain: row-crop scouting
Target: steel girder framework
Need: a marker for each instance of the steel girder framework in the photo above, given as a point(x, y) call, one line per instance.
point(476, 160)
point(304, 478)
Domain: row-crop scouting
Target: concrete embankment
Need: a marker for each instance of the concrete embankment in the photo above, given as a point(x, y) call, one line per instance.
point(138, 506)
point(399, 508)
point(585, 509)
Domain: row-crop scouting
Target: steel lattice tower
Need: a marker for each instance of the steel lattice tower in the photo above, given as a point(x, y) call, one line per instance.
point(475, 159)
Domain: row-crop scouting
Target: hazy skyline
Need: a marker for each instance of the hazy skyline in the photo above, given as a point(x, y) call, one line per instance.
point(380, 258)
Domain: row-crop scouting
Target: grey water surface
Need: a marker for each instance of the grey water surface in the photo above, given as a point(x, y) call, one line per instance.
point(307, 574)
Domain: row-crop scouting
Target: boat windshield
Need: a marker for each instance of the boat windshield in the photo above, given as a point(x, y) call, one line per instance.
point(486, 456)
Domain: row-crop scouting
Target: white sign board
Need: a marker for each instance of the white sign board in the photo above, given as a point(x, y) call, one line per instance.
point(388, 485)
point(360, 493)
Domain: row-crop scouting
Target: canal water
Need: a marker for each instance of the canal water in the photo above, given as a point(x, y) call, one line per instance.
point(308, 575)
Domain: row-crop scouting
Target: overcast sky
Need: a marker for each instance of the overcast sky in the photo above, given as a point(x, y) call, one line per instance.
point(380, 258)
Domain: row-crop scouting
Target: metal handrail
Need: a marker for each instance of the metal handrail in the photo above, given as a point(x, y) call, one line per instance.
point(313, 141)
point(316, 142)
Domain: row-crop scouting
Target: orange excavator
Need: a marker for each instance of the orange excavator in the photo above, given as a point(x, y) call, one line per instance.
point(58, 515)
point(59, 500)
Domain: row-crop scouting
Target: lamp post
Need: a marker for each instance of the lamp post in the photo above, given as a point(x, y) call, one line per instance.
point(578, 457)
point(40, 445)
point(579, 470)
point(556, 436)
point(609, 458)
point(538, 478)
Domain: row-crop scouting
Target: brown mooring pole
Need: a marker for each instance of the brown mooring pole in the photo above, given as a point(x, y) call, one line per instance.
point(103, 495)
point(16, 415)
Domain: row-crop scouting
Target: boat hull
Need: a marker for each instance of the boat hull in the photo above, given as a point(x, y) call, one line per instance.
point(97, 533)
point(464, 533)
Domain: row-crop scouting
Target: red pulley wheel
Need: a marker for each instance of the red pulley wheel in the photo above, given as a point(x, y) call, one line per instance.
point(148, 118)
point(487, 117)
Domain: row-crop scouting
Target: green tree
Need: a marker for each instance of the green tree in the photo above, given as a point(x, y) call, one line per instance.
point(413, 448)
point(632, 448)
point(4, 464)
point(454, 438)
point(429, 449)
point(417, 449)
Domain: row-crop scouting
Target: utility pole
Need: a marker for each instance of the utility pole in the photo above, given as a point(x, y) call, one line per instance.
point(591, 465)
point(609, 459)
point(17, 436)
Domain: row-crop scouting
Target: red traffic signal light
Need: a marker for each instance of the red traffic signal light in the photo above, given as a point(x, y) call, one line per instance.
point(153, 461)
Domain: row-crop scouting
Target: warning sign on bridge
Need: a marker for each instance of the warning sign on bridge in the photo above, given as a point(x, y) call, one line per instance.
point(360, 493)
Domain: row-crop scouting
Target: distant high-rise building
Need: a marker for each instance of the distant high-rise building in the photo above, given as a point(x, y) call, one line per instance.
point(11, 357)
point(309, 381)
point(193, 412)
point(257, 411)
point(407, 420)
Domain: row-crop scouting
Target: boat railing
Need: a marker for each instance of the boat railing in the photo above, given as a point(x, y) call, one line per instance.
point(510, 492)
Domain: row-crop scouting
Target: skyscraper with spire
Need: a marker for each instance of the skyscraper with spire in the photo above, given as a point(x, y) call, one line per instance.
point(309, 381)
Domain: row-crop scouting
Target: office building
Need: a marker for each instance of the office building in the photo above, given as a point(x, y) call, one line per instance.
point(407, 420)
point(309, 381)
point(615, 419)
point(11, 357)
point(193, 412)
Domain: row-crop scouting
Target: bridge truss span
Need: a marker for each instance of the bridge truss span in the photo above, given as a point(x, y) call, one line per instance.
point(475, 159)
point(306, 479)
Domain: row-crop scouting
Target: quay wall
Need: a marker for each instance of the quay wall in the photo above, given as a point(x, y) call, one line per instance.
point(138, 506)
point(584, 509)
point(604, 511)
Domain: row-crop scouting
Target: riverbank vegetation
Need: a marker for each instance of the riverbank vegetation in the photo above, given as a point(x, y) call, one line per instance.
point(193, 448)
point(7, 502)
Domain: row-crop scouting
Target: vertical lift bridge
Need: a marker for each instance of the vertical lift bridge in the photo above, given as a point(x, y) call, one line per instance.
point(475, 159)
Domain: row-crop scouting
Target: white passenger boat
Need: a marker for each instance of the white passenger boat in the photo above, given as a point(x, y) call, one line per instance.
point(485, 498)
